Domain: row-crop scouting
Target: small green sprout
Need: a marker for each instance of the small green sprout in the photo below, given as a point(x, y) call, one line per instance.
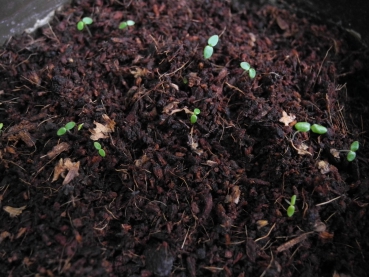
point(98, 147)
point(1, 127)
point(194, 115)
point(246, 66)
point(212, 42)
point(302, 126)
point(83, 24)
point(291, 208)
point(126, 24)
point(306, 127)
point(351, 154)
point(69, 126)
point(80, 126)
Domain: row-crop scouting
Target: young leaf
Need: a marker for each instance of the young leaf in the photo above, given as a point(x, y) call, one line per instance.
point(123, 25)
point(80, 126)
point(318, 129)
point(196, 111)
point(208, 52)
point(252, 73)
point(351, 155)
point(245, 66)
point(213, 40)
point(70, 125)
point(87, 20)
point(61, 131)
point(102, 152)
point(97, 145)
point(354, 146)
point(1, 125)
point(290, 211)
point(293, 200)
point(130, 22)
point(302, 126)
point(193, 119)
point(80, 25)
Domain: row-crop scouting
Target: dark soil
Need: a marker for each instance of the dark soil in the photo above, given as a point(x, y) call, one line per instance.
point(173, 198)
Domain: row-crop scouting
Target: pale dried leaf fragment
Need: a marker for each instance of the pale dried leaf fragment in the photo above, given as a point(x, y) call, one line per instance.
point(57, 149)
point(236, 193)
point(324, 167)
point(101, 130)
point(72, 170)
point(59, 169)
point(302, 149)
point(287, 119)
point(335, 153)
point(13, 212)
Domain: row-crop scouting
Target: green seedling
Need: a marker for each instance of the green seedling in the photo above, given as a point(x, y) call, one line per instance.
point(126, 24)
point(194, 115)
point(1, 127)
point(99, 149)
point(291, 208)
point(247, 68)
point(212, 42)
point(80, 127)
point(306, 127)
point(351, 154)
point(83, 24)
point(69, 126)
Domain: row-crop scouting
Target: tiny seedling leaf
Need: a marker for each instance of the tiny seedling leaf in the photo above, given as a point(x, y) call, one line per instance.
point(208, 52)
point(80, 25)
point(318, 129)
point(123, 25)
point(80, 126)
point(70, 125)
point(1, 125)
point(252, 73)
point(245, 66)
point(193, 119)
point(97, 145)
point(213, 40)
point(196, 111)
point(61, 131)
point(302, 126)
point(293, 200)
point(351, 155)
point(102, 152)
point(130, 22)
point(87, 20)
point(290, 211)
point(354, 146)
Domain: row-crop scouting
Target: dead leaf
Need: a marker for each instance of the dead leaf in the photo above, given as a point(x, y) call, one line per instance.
point(72, 170)
point(21, 232)
point(324, 167)
point(261, 223)
point(287, 119)
point(102, 131)
point(335, 153)
point(236, 193)
point(66, 165)
point(13, 212)
point(171, 106)
point(301, 149)
point(59, 169)
point(57, 149)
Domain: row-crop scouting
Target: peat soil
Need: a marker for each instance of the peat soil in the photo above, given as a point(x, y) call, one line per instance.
point(171, 198)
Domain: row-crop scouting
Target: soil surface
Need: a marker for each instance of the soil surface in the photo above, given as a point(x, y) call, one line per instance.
point(172, 198)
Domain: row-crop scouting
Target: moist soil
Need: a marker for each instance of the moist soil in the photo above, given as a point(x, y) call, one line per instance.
point(171, 197)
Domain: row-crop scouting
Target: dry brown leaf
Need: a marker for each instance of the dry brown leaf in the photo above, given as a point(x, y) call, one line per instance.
point(101, 130)
point(13, 212)
point(66, 165)
point(59, 169)
point(324, 167)
point(57, 149)
point(335, 153)
point(21, 232)
point(301, 149)
point(72, 170)
point(287, 119)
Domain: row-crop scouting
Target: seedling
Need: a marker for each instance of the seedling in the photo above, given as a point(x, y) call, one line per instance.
point(126, 24)
point(194, 115)
point(351, 154)
point(246, 66)
point(69, 126)
point(83, 24)
point(291, 208)
point(306, 127)
point(80, 127)
point(1, 127)
point(208, 50)
point(100, 150)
